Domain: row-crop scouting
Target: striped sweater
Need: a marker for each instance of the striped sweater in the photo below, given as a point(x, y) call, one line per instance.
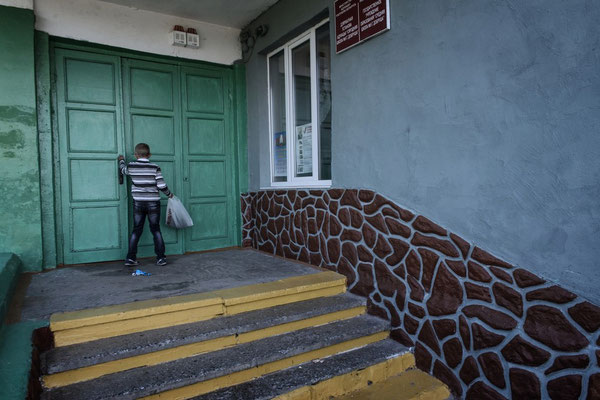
point(146, 179)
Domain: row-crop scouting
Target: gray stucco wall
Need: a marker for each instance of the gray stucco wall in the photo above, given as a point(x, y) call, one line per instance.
point(482, 115)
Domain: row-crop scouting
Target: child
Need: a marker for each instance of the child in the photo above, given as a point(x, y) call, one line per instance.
point(146, 181)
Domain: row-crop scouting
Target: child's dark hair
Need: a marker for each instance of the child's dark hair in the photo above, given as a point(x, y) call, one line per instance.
point(142, 150)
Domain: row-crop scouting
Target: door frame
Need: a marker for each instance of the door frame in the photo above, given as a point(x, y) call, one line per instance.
point(237, 121)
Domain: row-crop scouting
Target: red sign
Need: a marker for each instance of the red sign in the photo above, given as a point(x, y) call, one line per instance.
point(359, 20)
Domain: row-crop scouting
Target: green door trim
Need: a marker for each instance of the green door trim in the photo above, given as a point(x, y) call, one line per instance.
point(43, 72)
point(237, 122)
point(71, 44)
point(241, 139)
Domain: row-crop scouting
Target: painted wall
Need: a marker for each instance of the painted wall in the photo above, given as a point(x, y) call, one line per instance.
point(28, 4)
point(20, 184)
point(481, 115)
point(134, 29)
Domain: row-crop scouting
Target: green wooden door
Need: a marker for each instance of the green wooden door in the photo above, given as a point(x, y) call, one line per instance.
point(153, 116)
point(93, 210)
point(207, 158)
point(183, 113)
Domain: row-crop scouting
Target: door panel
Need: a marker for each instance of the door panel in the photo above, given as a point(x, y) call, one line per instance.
point(153, 116)
point(212, 139)
point(92, 131)
point(207, 155)
point(211, 179)
point(157, 131)
point(92, 179)
point(90, 138)
point(91, 79)
point(105, 235)
point(151, 88)
point(213, 221)
point(205, 91)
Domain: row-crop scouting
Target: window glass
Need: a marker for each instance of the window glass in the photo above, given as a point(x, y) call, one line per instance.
point(300, 110)
point(303, 132)
point(324, 98)
point(278, 116)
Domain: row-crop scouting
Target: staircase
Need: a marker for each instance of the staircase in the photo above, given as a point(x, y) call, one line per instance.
point(297, 338)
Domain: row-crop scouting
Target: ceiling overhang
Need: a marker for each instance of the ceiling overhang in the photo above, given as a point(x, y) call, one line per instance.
point(231, 13)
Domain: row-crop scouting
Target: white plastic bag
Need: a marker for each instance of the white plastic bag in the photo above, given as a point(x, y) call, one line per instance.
point(177, 215)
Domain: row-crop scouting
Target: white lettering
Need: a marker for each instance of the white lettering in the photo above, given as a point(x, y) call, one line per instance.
point(345, 7)
point(366, 21)
point(371, 6)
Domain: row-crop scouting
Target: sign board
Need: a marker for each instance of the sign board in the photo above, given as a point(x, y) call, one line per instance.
point(359, 20)
point(304, 159)
point(280, 153)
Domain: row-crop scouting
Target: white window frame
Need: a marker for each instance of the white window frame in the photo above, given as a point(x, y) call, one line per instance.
point(292, 180)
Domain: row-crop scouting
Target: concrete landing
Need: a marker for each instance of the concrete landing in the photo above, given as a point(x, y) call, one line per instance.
point(98, 285)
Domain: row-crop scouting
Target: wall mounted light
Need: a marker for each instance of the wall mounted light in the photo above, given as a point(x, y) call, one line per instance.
point(193, 39)
point(178, 37)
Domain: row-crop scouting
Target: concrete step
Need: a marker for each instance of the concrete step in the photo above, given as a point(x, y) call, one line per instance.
point(409, 385)
point(326, 377)
point(80, 362)
point(196, 375)
point(103, 322)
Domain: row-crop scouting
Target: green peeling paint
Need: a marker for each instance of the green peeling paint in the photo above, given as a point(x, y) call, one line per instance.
point(13, 139)
point(20, 183)
point(18, 114)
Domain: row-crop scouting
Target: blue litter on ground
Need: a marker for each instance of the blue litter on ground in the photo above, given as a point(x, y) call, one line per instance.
point(139, 272)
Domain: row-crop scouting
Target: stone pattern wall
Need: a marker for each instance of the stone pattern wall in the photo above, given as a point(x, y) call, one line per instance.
point(488, 329)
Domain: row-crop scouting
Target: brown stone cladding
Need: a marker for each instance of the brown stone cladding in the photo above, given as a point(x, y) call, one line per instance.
point(486, 328)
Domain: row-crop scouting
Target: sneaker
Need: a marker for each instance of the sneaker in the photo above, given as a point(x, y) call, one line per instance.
point(161, 261)
point(131, 263)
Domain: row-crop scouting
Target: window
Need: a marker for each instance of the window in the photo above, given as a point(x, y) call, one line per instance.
point(299, 75)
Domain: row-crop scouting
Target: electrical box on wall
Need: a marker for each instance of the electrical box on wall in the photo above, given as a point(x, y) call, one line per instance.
point(193, 39)
point(178, 36)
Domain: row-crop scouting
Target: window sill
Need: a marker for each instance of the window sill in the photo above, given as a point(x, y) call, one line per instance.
point(316, 185)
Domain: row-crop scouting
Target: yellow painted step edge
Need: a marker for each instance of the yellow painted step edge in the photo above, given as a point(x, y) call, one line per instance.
point(296, 284)
point(352, 381)
point(123, 327)
point(117, 328)
point(243, 294)
point(409, 385)
point(236, 378)
point(284, 299)
point(162, 356)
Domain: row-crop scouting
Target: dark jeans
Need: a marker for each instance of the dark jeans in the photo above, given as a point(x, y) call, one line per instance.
point(141, 209)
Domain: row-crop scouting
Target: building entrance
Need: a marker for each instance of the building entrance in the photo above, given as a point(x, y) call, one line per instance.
point(106, 104)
